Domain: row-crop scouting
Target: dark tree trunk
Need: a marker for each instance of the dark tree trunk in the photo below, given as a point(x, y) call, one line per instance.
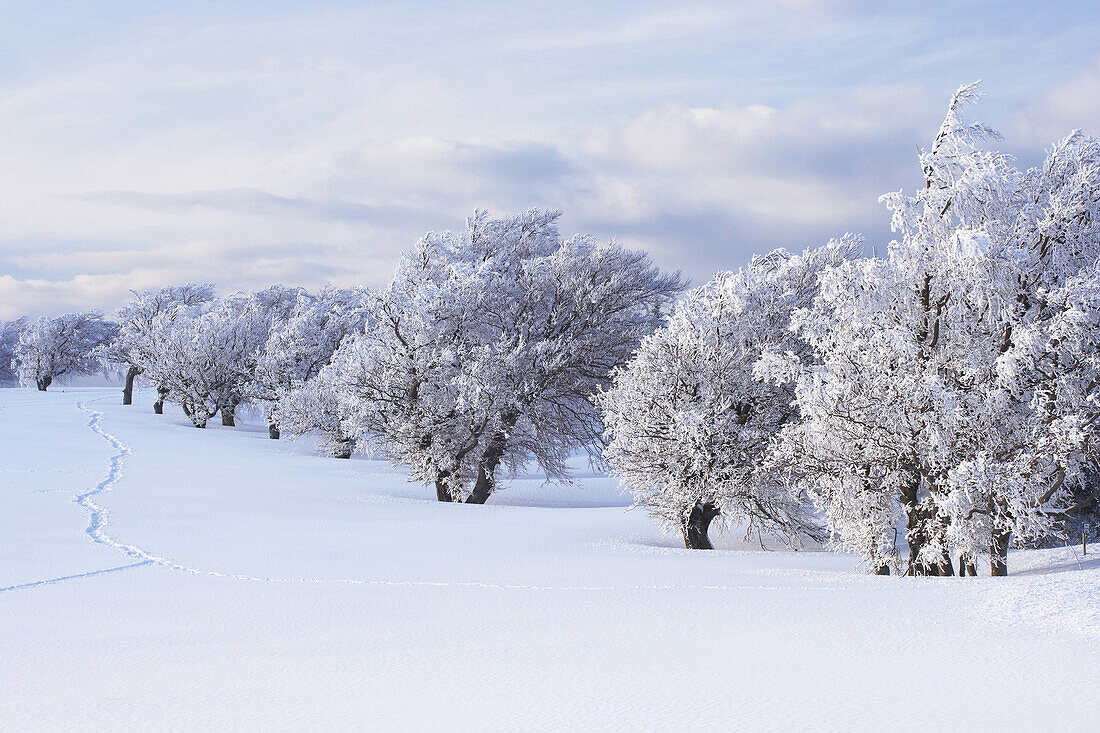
point(44, 383)
point(128, 389)
point(920, 518)
point(945, 568)
point(344, 447)
point(483, 487)
point(914, 526)
point(941, 568)
point(198, 417)
point(882, 570)
point(442, 493)
point(998, 561)
point(228, 418)
point(273, 430)
point(487, 468)
point(158, 406)
point(967, 566)
point(697, 525)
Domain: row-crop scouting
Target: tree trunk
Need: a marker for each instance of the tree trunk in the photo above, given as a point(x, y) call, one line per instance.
point(44, 383)
point(883, 569)
point(442, 493)
point(486, 470)
point(942, 568)
point(920, 518)
point(966, 565)
point(697, 524)
point(998, 561)
point(198, 418)
point(945, 568)
point(227, 417)
point(344, 447)
point(483, 487)
point(158, 406)
point(272, 430)
point(128, 390)
point(914, 526)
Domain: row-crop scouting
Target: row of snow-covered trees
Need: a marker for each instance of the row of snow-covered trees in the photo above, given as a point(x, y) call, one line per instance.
point(949, 388)
point(482, 354)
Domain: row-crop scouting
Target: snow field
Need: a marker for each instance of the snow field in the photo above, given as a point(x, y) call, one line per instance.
point(238, 582)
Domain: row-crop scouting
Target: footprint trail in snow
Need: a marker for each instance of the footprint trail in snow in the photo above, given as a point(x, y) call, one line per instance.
point(98, 519)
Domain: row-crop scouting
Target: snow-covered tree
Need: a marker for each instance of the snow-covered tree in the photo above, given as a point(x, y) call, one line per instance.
point(1065, 350)
point(206, 361)
point(9, 339)
point(928, 398)
point(133, 348)
point(485, 349)
point(300, 346)
point(315, 406)
point(691, 418)
point(1042, 470)
point(65, 345)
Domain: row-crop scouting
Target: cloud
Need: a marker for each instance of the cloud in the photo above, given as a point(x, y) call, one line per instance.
point(702, 188)
point(707, 187)
point(344, 224)
point(1073, 104)
point(449, 172)
point(311, 142)
point(251, 202)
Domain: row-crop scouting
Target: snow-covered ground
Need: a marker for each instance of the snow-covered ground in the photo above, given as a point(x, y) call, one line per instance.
point(154, 576)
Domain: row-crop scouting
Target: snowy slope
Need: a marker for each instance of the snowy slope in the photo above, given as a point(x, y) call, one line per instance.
point(234, 582)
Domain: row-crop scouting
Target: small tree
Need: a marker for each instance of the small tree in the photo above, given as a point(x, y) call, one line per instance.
point(65, 345)
point(691, 418)
point(1029, 487)
point(9, 339)
point(485, 349)
point(206, 360)
point(134, 346)
point(315, 406)
point(252, 317)
point(300, 346)
point(192, 361)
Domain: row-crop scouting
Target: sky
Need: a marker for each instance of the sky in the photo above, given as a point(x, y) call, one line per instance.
point(248, 143)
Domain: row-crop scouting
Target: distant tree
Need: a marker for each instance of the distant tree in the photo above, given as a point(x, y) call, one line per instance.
point(65, 345)
point(691, 418)
point(206, 362)
point(199, 359)
point(299, 347)
point(9, 339)
point(315, 406)
point(134, 347)
point(487, 346)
